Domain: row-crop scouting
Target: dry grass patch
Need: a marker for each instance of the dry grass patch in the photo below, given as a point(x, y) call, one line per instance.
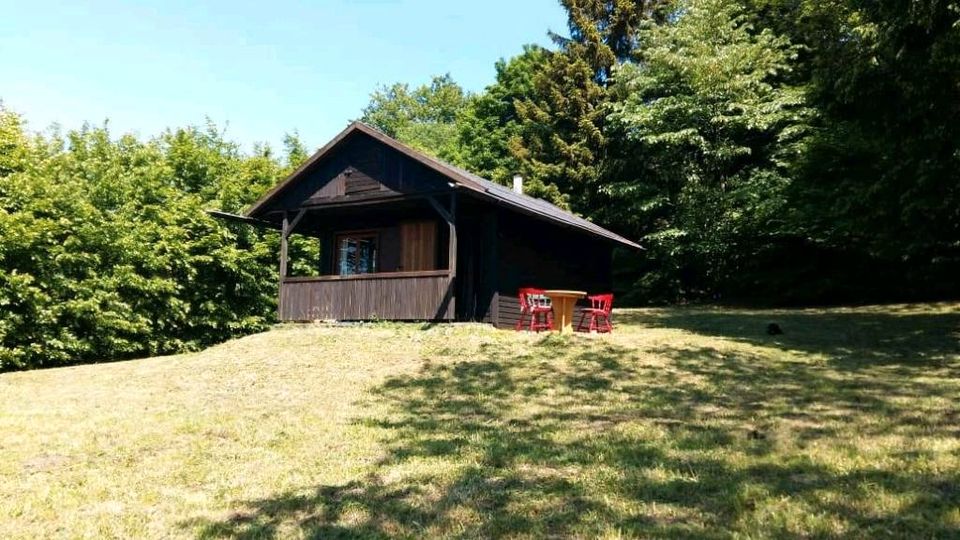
point(685, 422)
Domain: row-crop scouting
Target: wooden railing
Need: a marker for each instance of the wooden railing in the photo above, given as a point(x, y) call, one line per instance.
point(411, 296)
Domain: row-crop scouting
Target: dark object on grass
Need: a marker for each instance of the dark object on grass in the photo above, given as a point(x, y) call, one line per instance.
point(756, 435)
point(774, 329)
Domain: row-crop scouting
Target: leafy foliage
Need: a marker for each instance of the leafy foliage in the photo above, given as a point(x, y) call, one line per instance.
point(425, 117)
point(773, 150)
point(705, 132)
point(490, 122)
point(562, 140)
point(106, 250)
point(883, 172)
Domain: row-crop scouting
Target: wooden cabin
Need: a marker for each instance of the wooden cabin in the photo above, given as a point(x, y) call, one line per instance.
point(404, 236)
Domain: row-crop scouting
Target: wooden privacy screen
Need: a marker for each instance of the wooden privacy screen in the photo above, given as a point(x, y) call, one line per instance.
point(418, 245)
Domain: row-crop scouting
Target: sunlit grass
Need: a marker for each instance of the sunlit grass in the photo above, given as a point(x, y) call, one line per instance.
point(685, 422)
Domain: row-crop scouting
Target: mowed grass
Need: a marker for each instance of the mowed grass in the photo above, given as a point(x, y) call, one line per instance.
point(684, 423)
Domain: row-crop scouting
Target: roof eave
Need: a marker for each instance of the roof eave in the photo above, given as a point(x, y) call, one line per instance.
point(609, 236)
point(304, 167)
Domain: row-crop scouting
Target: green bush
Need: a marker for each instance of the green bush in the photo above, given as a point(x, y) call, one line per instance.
point(107, 252)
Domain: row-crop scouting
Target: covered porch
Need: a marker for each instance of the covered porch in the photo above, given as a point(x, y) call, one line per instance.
point(386, 259)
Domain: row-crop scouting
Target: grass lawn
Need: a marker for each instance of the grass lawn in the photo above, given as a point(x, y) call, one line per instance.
point(685, 422)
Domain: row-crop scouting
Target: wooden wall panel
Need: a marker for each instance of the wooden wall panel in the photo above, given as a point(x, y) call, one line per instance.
point(418, 245)
point(416, 298)
point(356, 184)
point(389, 250)
point(333, 188)
point(476, 261)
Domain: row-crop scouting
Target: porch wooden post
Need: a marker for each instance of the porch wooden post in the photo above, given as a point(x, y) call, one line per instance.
point(284, 233)
point(452, 222)
point(450, 216)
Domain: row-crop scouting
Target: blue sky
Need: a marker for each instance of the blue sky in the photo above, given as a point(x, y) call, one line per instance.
point(263, 68)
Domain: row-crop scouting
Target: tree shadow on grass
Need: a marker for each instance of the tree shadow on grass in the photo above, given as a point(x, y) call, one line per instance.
point(855, 337)
point(578, 437)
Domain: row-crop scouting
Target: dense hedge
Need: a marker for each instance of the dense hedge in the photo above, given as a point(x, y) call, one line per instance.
point(106, 250)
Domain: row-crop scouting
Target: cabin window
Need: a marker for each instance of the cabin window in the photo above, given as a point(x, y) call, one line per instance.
point(356, 253)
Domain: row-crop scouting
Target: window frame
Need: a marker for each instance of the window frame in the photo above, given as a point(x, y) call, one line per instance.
point(362, 234)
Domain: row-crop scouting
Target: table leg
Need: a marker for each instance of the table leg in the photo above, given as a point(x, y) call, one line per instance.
point(566, 317)
point(560, 313)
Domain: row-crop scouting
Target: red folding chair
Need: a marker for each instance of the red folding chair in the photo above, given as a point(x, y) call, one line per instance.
point(536, 305)
point(599, 312)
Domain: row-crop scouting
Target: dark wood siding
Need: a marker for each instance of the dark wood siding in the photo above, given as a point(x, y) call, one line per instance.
point(397, 297)
point(476, 263)
point(334, 188)
point(532, 254)
point(390, 250)
point(361, 169)
point(509, 312)
point(355, 184)
point(498, 252)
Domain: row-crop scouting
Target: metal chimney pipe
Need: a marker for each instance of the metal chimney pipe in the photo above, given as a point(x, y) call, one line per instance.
point(518, 183)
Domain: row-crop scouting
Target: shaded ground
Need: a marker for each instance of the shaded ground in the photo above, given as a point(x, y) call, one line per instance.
point(684, 423)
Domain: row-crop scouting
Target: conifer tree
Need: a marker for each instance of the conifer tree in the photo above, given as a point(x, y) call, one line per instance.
point(562, 140)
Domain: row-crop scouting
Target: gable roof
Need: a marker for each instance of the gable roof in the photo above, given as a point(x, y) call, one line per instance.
point(481, 187)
